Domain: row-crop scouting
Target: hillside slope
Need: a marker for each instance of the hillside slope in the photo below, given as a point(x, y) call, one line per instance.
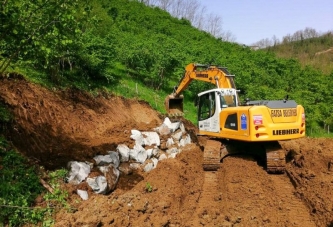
point(316, 52)
point(53, 127)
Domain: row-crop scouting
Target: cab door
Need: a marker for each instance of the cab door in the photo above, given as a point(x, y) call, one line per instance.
point(208, 112)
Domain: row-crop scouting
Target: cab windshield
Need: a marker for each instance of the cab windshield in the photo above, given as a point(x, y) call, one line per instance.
point(228, 101)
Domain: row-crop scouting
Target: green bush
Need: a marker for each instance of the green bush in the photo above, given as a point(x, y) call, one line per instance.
point(59, 197)
point(19, 188)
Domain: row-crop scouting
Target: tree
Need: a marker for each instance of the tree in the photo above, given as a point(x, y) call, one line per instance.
point(263, 43)
point(41, 30)
point(227, 36)
point(165, 4)
point(276, 41)
point(310, 33)
point(214, 25)
point(192, 11)
point(199, 18)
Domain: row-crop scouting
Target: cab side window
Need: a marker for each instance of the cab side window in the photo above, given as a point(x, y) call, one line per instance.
point(206, 106)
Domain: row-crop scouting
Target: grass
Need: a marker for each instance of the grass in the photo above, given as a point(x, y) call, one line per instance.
point(319, 133)
point(129, 88)
point(20, 187)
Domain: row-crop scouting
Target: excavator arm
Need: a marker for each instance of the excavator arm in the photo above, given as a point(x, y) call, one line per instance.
point(216, 75)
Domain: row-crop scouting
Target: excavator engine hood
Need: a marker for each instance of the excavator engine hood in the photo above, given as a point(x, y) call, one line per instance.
point(281, 111)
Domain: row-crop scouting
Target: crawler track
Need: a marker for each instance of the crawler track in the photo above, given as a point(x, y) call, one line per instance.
point(212, 155)
point(275, 158)
point(271, 152)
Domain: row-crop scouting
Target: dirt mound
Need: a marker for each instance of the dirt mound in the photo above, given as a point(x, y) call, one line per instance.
point(53, 127)
point(311, 172)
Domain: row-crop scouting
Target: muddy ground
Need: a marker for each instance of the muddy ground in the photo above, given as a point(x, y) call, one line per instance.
point(54, 127)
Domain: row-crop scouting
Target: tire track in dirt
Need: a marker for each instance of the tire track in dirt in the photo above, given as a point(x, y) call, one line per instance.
point(208, 201)
point(290, 207)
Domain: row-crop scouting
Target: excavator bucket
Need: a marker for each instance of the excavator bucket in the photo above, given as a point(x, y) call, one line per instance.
point(174, 105)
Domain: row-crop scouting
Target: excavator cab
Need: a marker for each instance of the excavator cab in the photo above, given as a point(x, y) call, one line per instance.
point(211, 103)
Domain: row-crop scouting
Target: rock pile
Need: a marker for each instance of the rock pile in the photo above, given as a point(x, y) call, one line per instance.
point(150, 147)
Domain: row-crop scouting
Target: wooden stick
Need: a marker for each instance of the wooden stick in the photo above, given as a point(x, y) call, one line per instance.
point(46, 185)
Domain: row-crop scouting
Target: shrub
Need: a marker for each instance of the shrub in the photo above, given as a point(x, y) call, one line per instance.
point(19, 188)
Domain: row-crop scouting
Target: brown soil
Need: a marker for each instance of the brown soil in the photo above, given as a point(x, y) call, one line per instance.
point(54, 127)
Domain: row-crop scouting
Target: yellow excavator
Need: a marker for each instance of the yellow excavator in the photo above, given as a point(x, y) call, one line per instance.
point(253, 127)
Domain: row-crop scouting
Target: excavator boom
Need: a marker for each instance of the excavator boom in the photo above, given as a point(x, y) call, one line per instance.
point(216, 75)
